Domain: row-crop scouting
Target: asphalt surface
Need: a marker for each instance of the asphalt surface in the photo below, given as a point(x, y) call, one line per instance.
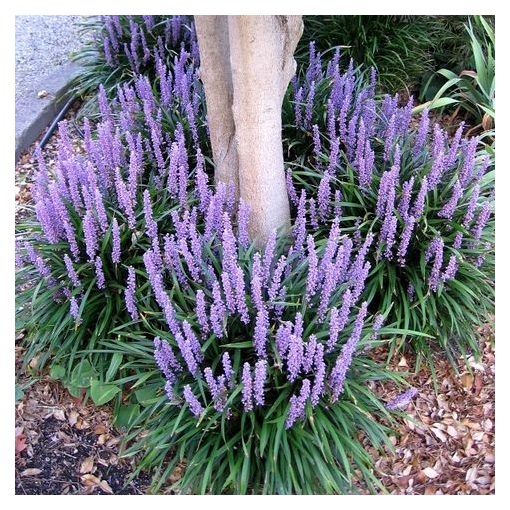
point(43, 45)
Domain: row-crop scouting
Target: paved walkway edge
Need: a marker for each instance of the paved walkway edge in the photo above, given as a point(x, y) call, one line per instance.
point(34, 114)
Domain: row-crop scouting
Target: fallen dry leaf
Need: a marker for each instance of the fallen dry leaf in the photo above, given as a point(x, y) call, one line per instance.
point(452, 431)
point(73, 418)
point(87, 465)
point(467, 381)
point(402, 362)
point(439, 434)
point(478, 384)
point(34, 362)
point(100, 429)
point(82, 424)
point(20, 440)
point(59, 414)
point(430, 472)
point(471, 474)
point(31, 472)
point(90, 480)
point(103, 485)
point(101, 439)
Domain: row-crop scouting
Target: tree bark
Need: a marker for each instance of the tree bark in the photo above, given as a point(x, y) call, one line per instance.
point(261, 57)
point(246, 66)
point(216, 75)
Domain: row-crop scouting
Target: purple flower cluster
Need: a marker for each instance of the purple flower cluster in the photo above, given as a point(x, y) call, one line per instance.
point(331, 274)
point(99, 194)
point(430, 173)
point(143, 40)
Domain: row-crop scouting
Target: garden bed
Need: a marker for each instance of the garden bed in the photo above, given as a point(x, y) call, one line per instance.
point(65, 446)
point(281, 382)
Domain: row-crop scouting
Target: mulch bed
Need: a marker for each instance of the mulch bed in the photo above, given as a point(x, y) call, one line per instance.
point(447, 446)
point(64, 446)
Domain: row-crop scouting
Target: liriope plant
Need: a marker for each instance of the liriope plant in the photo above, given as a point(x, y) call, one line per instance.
point(426, 198)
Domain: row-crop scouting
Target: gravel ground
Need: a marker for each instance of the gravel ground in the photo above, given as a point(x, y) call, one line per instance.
point(43, 44)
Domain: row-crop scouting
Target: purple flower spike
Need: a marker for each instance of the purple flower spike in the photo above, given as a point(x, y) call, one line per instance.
point(436, 250)
point(228, 291)
point(115, 242)
point(344, 360)
point(243, 217)
point(247, 397)
point(165, 359)
point(298, 405)
point(211, 382)
point(202, 312)
point(317, 148)
point(261, 332)
point(382, 194)
point(218, 311)
point(73, 275)
point(457, 242)
point(309, 106)
point(269, 252)
point(42, 268)
point(187, 353)
point(129, 294)
point(421, 135)
point(405, 199)
point(151, 226)
point(283, 340)
point(419, 203)
point(259, 380)
point(299, 231)
point(256, 282)
point(470, 212)
point(324, 195)
point(481, 221)
point(294, 357)
point(454, 147)
point(100, 282)
point(279, 269)
point(320, 375)
point(192, 341)
point(313, 269)
point(405, 240)
point(74, 309)
point(90, 233)
point(227, 369)
point(240, 295)
point(309, 353)
point(298, 100)
point(291, 190)
point(389, 137)
point(192, 401)
point(377, 325)
point(339, 319)
point(451, 269)
point(450, 206)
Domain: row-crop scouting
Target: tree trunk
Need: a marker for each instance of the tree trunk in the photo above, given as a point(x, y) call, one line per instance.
point(215, 73)
point(246, 65)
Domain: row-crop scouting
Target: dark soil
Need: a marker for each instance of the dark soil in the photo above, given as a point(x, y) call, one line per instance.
point(59, 457)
